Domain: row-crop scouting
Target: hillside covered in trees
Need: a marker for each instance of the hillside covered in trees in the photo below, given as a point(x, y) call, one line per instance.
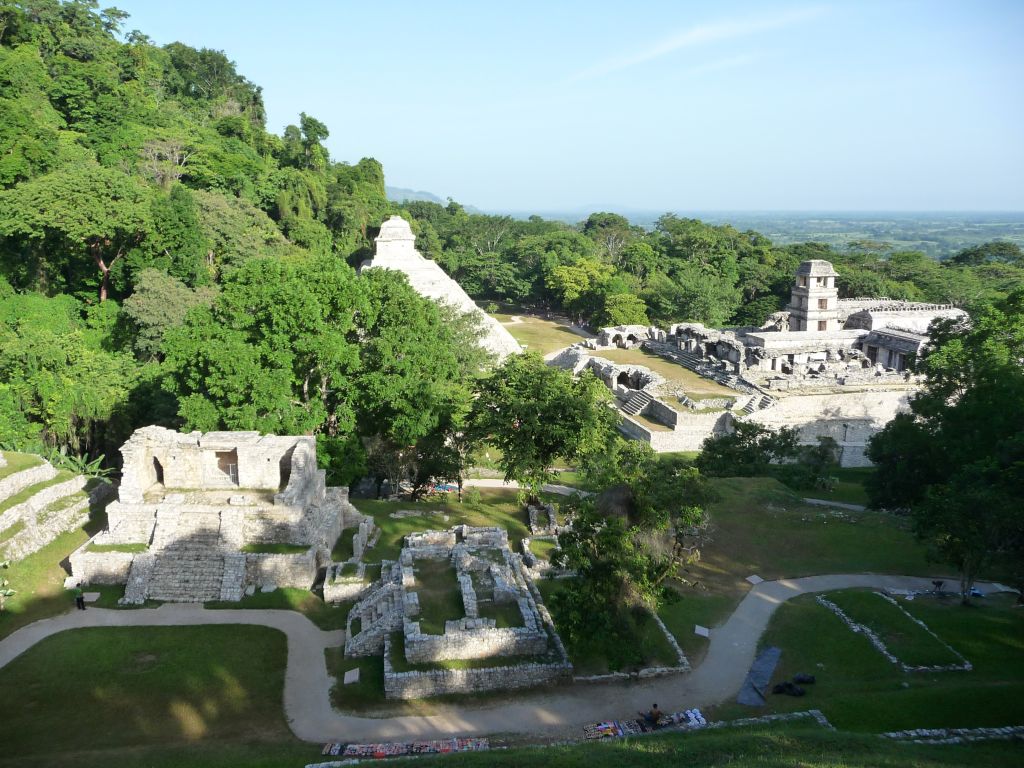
point(164, 258)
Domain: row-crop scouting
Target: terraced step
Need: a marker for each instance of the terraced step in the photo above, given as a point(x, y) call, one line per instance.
point(37, 496)
point(16, 482)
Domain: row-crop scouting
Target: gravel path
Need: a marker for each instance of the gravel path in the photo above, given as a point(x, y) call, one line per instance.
point(307, 683)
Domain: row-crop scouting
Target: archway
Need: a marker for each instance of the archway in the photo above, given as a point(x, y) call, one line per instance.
point(623, 380)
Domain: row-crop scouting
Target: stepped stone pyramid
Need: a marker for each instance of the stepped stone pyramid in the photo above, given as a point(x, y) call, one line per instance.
point(395, 248)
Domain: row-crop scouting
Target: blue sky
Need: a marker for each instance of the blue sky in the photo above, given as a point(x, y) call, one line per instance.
point(690, 106)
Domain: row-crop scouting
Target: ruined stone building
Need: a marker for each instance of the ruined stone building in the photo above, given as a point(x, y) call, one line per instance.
point(395, 248)
point(200, 516)
point(521, 650)
point(828, 366)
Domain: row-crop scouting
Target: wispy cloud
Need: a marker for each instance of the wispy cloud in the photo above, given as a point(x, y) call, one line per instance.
point(702, 34)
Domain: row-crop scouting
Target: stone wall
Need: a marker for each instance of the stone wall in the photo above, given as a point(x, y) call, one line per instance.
point(850, 418)
point(282, 570)
point(661, 413)
point(481, 643)
point(17, 482)
point(341, 589)
point(441, 682)
point(100, 567)
point(45, 524)
point(39, 501)
point(690, 432)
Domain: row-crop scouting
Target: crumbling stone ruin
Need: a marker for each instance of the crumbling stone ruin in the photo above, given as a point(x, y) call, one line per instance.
point(351, 579)
point(492, 582)
point(50, 509)
point(190, 505)
point(395, 248)
point(831, 367)
point(542, 518)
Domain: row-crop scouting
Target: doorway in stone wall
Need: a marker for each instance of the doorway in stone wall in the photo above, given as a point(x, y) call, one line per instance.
point(227, 462)
point(158, 470)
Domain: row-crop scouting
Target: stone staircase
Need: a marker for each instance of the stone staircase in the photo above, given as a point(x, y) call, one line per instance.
point(636, 402)
point(758, 402)
point(379, 613)
point(189, 563)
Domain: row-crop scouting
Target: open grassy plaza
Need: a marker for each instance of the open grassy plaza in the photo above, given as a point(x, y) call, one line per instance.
point(538, 334)
point(695, 387)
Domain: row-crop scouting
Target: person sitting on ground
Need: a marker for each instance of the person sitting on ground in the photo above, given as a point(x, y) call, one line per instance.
point(654, 716)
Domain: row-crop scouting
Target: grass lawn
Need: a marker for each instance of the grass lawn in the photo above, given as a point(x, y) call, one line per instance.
point(907, 641)
point(696, 387)
point(497, 506)
point(859, 690)
point(693, 608)
point(650, 641)
point(849, 488)
point(268, 548)
point(38, 580)
point(437, 588)
point(16, 462)
point(11, 531)
point(131, 548)
point(107, 688)
point(539, 335)
point(780, 746)
point(542, 548)
point(342, 549)
point(324, 615)
point(761, 526)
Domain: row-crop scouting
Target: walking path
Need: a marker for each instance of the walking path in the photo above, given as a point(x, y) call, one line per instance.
point(497, 482)
point(837, 504)
point(307, 682)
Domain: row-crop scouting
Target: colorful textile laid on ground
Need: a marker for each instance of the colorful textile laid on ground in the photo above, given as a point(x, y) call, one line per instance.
point(616, 729)
point(398, 749)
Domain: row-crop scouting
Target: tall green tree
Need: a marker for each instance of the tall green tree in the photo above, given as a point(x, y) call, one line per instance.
point(535, 414)
point(957, 460)
point(81, 213)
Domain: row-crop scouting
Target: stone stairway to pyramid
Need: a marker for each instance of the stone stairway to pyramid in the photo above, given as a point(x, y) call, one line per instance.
point(189, 560)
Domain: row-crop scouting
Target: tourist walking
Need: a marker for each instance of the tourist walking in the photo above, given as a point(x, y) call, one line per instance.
point(79, 597)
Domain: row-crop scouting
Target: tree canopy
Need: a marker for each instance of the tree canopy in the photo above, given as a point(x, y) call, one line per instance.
point(956, 461)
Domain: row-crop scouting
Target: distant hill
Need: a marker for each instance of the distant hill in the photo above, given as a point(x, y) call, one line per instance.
point(401, 195)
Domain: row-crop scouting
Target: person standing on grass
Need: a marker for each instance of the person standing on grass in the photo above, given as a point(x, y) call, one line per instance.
point(79, 597)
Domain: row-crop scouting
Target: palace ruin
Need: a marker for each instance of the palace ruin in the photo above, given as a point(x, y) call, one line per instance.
point(827, 366)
